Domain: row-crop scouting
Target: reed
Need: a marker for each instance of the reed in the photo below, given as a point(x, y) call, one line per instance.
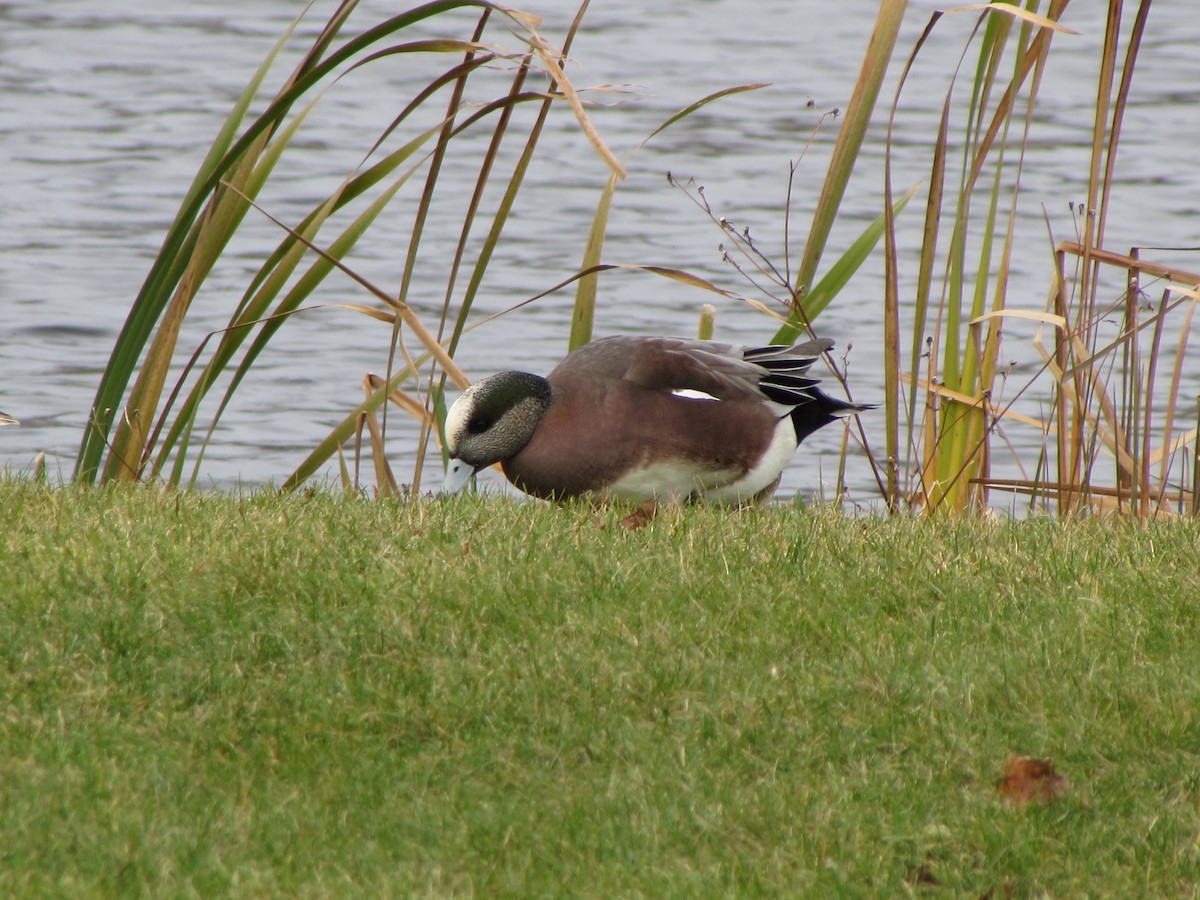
point(154, 432)
point(1111, 429)
point(1106, 410)
point(1112, 439)
point(147, 431)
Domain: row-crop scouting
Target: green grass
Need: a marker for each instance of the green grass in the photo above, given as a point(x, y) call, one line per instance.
point(307, 696)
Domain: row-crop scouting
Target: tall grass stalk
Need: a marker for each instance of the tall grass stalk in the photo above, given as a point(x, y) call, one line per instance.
point(1110, 433)
point(941, 431)
point(134, 434)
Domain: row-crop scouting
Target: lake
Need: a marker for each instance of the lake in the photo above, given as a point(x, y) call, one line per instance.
point(106, 111)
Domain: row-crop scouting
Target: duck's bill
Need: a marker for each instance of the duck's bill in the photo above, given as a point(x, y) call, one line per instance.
point(458, 473)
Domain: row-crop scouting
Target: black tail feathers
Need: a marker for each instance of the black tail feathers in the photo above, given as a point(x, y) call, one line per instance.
point(820, 411)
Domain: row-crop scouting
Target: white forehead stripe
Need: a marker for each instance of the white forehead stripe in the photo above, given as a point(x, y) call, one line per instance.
point(457, 416)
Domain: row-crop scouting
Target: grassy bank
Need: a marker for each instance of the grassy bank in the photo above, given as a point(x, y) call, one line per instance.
point(309, 696)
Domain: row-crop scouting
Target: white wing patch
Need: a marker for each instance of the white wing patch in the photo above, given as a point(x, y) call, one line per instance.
point(692, 394)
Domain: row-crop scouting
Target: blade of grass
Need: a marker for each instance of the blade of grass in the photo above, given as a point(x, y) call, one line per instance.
point(839, 274)
point(584, 311)
point(166, 271)
point(172, 261)
point(850, 137)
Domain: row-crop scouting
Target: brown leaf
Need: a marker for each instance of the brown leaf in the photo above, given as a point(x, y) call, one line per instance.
point(922, 875)
point(640, 517)
point(990, 893)
point(1028, 780)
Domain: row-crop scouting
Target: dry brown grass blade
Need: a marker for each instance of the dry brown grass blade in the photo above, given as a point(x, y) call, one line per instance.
point(1135, 458)
point(371, 312)
point(1133, 263)
point(401, 399)
point(1083, 388)
point(998, 412)
point(403, 310)
point(1097, 414)
point(1099, 498)
point(1016, 12)
point(1118, 108)
point(1166, 451)
point(384, 479)
point(673, 274)
point(549, 57)
point(528, 20)
point(1100, 169)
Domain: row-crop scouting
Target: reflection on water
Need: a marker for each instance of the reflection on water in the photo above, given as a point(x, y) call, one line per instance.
point(106, 111)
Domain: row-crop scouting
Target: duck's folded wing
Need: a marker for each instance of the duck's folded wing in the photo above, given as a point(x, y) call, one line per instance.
point(695, 368)
point(717, 370)
point(782, 358)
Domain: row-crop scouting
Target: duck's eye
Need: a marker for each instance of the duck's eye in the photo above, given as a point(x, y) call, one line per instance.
point(478, 425)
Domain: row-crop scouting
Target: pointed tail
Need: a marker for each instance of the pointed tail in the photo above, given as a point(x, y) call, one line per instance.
point(820, 411)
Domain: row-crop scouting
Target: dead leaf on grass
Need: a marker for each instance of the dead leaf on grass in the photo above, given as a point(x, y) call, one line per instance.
point(922, 876)
point(640, 517)
point(1027, 780)
point(990, 893)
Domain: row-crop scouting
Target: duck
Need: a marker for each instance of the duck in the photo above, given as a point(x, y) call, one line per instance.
point(645, 419)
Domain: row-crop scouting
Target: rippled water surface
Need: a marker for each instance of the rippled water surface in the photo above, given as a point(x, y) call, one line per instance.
point(106, 111)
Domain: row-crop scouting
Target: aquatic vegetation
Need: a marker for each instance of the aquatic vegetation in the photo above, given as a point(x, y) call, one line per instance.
point(1112, 431)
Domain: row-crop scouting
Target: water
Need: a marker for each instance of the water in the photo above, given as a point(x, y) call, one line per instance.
point(106, 111)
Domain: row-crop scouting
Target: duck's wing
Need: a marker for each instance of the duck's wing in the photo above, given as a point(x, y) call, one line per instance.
point(788, 381)
point(778, 372)
point(660, 364)
point(788, 358)
point(702, 367)
point(695, 368)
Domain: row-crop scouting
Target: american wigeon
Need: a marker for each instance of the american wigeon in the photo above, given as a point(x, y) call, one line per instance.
point(645, 418)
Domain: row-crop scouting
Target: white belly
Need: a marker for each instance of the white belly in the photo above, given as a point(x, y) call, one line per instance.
point(678, 480)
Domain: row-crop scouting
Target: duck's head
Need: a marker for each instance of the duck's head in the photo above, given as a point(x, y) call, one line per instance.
point(492, 421)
